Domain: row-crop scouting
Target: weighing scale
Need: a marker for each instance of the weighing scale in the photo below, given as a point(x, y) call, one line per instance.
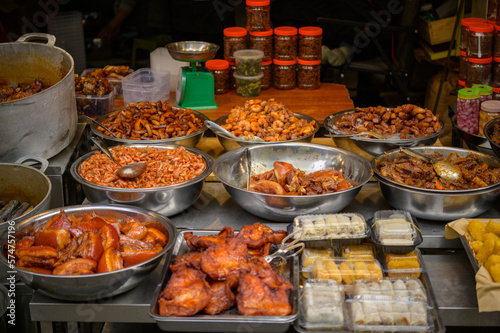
point(195, 84)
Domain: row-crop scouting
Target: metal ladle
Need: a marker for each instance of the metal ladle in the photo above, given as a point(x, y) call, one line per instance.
point(128, 171)
point(218, 128)
point(444, 169)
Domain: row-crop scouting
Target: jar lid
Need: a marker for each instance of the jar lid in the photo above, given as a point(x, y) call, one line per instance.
point(491, 106)
point(469, 20)
point(262, 33)
point(248, 54)
point(309, 62)
point(310, 31)
point(217, 64)
point(258, 3)
point(463, 53)
point(235, 32)
point(468, 93)
point(497, 27)
point(480, 61)
point(284, 62)
point(496, 89)
point(267, 62)
point(481, 27)
point(483, 89)
point(243, 77)
point(493, 22)
point(461, 83)
point(496, 59)
point(285, 31)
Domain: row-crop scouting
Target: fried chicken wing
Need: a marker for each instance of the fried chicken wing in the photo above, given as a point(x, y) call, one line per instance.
point(224, 260)
point(223, 298)
point(186, 293)
point(257, 235)
point(261, 251)
point(197, 243)
point(191, 259)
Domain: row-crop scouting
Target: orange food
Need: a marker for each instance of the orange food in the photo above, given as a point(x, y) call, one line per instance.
point(109, 261)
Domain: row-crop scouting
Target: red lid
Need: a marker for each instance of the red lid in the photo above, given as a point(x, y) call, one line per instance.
point(480, 27)
point(463, 53)
point(258, 3)
point(309, 62)
point(267, 62)
point(480, 61)
point(310, 31)
point(461, 82)
point(496, 89)
point(497, 27)
point(262, 33)
point(217, 64)
point(469, 20)
point(235, 32)
point(284, 62)
point(496, 59)
point(285, 31)
point(493, 22)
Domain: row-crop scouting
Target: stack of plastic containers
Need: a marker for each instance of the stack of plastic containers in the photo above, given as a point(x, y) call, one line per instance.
point(248, 72)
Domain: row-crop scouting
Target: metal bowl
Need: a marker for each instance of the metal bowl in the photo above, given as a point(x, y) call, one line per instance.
point(190, 140)
point(192, 51)
point(438, 205)
point(230, 170)
point(230, 143)
point(374, 146)
point(96, 286)
point(473, 141)
point(166, 200)
point(488, 132)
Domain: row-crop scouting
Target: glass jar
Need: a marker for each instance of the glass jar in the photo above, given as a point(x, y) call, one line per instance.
point(495, 72)
point(309, 47)
point(460, 84)
point(258, 15)
point(496, 93)
point(267, 79)
point(248, 86)
point(285, 74)
point(462, 69)
point(308, 74)
point(285, 43)
point(496, 41)
point(478, 71)
point(263, 41)
point(492, 10)
point(485, 92)
point(464, 30)
point(235, 38)
point(232, 70)
point(468, 110)
point(489, 111)
point(480, 40)
point(220, 70)
point(248, 62)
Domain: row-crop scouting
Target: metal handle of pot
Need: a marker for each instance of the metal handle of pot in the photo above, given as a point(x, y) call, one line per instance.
point(44, 164)
point(51, 39)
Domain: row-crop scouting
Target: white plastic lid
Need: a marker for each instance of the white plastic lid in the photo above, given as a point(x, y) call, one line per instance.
point(491, 106)
point(248, 54)
point(243, 77)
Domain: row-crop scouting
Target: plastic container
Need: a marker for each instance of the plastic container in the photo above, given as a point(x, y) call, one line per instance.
point(95, 106)
point(247, 86)
point(478, 71)
point(345, 271)
point(162, 61)
point(263, 41)
point(258, 15)
point(496, 41)
point(400, 266)
point(220, 70)
point(464, 30)
point(308, 74)
point(489, 110)
point(496, 93)
point(285, 74)
point(267, 79)
point(285, 43)
point(114, 82)
point(395, 231)
point(310, 255)
point(462, 69)
point(235, 38)
point(468, 105)
point(495, 72)
point(146, 85)
point(480, 40)
point(408, 289)
point(485, 92)
point(362, 251)
point(309, 43)
point(321, 305)
point(248, 62)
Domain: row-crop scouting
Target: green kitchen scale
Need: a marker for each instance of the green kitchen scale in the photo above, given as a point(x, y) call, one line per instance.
point(195, 84)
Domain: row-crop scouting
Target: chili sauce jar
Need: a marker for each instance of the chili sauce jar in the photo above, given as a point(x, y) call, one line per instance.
point(464, 30)
point(235, 38)
point(220, 70)
point(480, 40)
point(309, 43)
point(285, 43)
point(258, 15)
point(308, 74)
point(285, 74)
point(478, 71)
point(263, 41)
point(468, 110)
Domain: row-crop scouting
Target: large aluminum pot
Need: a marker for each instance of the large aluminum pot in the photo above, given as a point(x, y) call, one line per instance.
point(45, 123)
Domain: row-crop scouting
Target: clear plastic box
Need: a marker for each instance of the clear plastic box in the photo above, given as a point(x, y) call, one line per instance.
point(146, 85)
point(408, 289)
point(360, 251)
point(395, 231)
point(114, 82)
point(402, 265)
point(344, 271)
point(309, 256)
point(95, 106)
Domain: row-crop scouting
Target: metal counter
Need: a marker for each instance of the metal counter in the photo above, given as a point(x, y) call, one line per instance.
point(450, 271)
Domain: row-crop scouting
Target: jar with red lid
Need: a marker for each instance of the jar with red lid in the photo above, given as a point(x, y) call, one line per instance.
point(235, 38)
point(267, 79)
point(464, 29)
point(460, 84)
point(462, 69)
point(263, 41)
point(285, 43)
point(480, 40)
point(496, 93)
point(495, 73)
point(285, 74)
point(258, 15)
point(309, 47)
point(220, 70)
point(308, 74)
point(478, 71)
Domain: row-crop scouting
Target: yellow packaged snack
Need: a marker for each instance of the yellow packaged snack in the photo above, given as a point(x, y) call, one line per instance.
point(347, 272)
point(492, 260)
point(495, 272)
point(485, 251)
point(326, 269)
point(309, 255)
point(476, 245)
point(476, 229)
point(493, 227)
point(496, 249)
point(361, 270)
point(361, 251)
point(375, 271)
point(490, 235)
point(402, 265)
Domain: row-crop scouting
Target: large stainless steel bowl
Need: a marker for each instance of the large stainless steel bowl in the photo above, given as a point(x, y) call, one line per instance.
point(374, 146)
point(488, 132)
point(96, 286)
point(166, 200)
point(190, 140)
point(230, 143)
point(231, 171)
point(438, 205)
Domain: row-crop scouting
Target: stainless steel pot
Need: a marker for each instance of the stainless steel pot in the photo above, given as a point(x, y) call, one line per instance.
point(45, 123)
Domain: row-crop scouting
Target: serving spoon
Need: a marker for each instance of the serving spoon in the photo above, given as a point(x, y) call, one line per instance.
point(218, 128)
point(101, 125)
point(128, 171)
point(444, 169)
point(371, 133)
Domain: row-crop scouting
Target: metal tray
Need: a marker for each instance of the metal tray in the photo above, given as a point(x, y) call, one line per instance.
point(470, 254)
point(230, 320)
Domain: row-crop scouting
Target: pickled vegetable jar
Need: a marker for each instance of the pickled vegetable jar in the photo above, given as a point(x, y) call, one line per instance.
point(478, 71)
point(468, 110)
point(466, 22)
point(258, 15)
point(248, 62)
point(285, 43)
point(309, 47)
point(308, 74)
point(248, 86)
point(235, 38)
point(489, 110)
point(480, 40)
point(485, 92)
point(263, 41)
point(220, 70)
point(267, 79)
point(285, 74)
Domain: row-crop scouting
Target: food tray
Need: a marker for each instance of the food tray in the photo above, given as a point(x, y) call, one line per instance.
point(228, 321)
point(403, 273)
point(329, 240)
point(385, 215)
point(470, 254)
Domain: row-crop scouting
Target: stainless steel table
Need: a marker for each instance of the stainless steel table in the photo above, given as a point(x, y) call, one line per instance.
point(450, 271)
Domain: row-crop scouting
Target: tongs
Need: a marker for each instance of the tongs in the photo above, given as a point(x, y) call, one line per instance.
point(285, 250)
